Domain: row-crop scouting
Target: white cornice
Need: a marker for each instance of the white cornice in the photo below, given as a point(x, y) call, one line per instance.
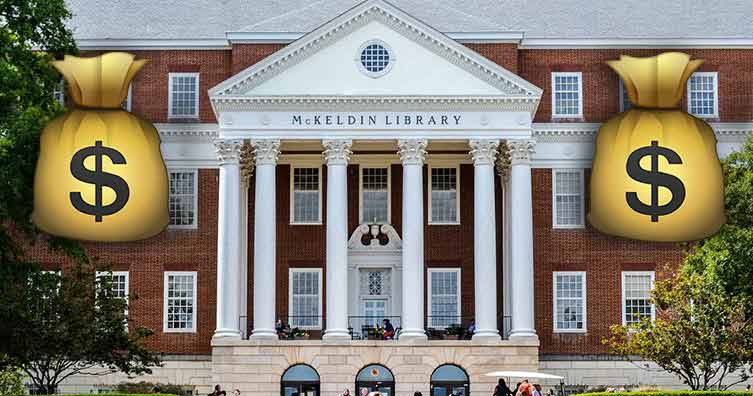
point(289, 37)
point(179, 131)
point(152, 44)
point(507, 82)
point(607, 43)
point(586, 132)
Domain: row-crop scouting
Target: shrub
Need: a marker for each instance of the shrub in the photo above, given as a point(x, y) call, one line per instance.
point(149, 388)
point(12, 382)
point(670, 393)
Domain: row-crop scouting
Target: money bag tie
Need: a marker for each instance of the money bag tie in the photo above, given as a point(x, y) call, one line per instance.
point(100, 174)
point(656, 174)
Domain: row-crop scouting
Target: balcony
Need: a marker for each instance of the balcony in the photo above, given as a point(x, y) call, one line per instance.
point(303, 328)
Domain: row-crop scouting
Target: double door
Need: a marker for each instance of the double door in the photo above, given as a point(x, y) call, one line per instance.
point(449, 389)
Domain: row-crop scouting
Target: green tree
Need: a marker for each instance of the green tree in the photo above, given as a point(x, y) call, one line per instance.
point(12, 382)
point(74, 324)
point(702, 334)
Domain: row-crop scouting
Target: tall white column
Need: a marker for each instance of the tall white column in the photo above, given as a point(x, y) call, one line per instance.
point(337, 154)
point(503, 168)
point(247, 169)
point(412, 153)
point(521, 238)
point(228, 239)
point(484, 153)
point(266, 152)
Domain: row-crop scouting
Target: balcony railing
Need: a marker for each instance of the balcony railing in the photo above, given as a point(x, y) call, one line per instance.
point(437, 327)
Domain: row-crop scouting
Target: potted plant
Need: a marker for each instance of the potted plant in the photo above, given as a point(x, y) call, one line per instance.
point(453, 333)
point(298, 334)
point(376, 333)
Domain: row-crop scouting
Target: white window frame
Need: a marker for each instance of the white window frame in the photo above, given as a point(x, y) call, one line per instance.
point(291, 271)
point(429, 297)
point(624, 299)
point(166, 276)
point(582, 223)
point(715, 75)
point(195, 175)
point(580, 94)
point(127, 101)
point(118, 273)
point(623, 92)
point(292, 195)
point(555, 306)
point(361, 220)
point(170, 95)
point(457, 193)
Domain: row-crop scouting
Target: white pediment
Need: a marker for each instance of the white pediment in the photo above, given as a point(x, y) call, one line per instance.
point(424, 64)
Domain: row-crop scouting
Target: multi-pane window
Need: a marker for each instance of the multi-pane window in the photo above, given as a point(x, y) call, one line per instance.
point(119, 282)
point(567, 95)
point(703, 98)
point(59, 93)
point(569, 301)
point(375, 201)
point(567, 191)
point(305, 298)
point(306, 202)
point(624, 98)
point(180, 301)
point(636, 296)
point(444, 195)
point(183, 198)
point(126, 105)
point(183, 97)
point(444, 297)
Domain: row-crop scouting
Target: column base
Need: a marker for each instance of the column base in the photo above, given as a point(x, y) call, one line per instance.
point(336, 335)
point(264, 334)
point(410, 335)
point(486, 335)
point(227, 333)
point(523, 335)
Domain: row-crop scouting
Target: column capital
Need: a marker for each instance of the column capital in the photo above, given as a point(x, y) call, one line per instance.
point(484, 151)
point(337, 151)
point(521, 150)
point(228, 151)
point(266, 151)
point(247, 163)
point(412, 151)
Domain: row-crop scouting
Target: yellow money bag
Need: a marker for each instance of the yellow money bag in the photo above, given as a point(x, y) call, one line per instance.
point(656, 174)
point(100, 174)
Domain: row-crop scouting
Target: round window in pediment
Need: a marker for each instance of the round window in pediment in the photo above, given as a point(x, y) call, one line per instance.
point(375, 58)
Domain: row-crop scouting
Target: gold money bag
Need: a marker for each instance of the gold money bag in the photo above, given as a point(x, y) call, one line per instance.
point(100, 174)
point(656, 174)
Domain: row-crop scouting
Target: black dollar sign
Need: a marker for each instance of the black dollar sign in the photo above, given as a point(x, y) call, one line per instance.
point(99, 179)
point(655, 179)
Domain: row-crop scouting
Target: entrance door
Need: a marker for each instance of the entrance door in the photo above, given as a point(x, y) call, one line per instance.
point(300, 390)
point(374, 311)
point(449, 390)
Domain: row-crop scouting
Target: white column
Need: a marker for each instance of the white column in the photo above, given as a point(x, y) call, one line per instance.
point(228, 240)
point(503, 168)
point(484, 153)
point(266, 152)
point(412, 153)
point(247, 169)
point(521, 238)
point(337, 154)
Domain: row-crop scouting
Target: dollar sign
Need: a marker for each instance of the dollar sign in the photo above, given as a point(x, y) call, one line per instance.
point(655, 179)
point(99, 179)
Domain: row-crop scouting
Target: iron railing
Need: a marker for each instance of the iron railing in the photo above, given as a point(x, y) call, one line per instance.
point(372, 327)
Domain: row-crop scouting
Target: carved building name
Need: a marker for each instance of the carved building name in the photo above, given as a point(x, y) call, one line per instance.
point(378, 120)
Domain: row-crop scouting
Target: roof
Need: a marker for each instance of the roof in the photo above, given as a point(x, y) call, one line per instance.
point(536, 19)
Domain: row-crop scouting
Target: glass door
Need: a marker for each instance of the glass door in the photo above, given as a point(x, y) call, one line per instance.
point(374, 311)
point(449, 390)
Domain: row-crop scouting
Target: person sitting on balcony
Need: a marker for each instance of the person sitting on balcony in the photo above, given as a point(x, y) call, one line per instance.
point(282, 329)
point(389, 330)
point(471, 328)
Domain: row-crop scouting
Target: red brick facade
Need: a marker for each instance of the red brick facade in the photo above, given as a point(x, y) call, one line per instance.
point(601, 256)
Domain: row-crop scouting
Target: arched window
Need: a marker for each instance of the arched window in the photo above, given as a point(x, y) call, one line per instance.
point(300, 380)
point(375, 377)
point(449, 380)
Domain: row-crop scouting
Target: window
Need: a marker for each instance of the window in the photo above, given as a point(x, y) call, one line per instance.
point(300, 379)
point(444, 297)
point(703, 98)
point(119, 281)
point(59, 93)
point(183, 96)
point(126, 105)
point(636, 296)
point(306, 189)
point(180, 302)
point(449, 379)
point(375, 195)
point(375, 378)
point(569, 302)
point(183, 198)
point(375, 58)
point(305, 302)
point(568, 198)
point(624, 98)
point(443, 190)
point(567, 95)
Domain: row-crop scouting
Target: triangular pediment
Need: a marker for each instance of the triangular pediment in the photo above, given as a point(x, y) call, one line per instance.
point(325, 63)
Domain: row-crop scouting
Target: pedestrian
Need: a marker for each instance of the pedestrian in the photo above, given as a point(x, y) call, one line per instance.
point(502, 389)
point(417, 394)
point(747, 388)
point(537, 390)
point(346, 392)
point(218, 391)
point(525, 388)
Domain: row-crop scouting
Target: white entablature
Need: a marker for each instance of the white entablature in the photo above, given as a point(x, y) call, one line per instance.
point(320, 87)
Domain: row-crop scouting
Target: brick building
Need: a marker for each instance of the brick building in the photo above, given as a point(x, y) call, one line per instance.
point(335, 164)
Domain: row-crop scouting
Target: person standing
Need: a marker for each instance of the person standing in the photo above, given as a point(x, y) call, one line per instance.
point(502, 389)
point(346, 392)
point(537, 390)
point(218, 391)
